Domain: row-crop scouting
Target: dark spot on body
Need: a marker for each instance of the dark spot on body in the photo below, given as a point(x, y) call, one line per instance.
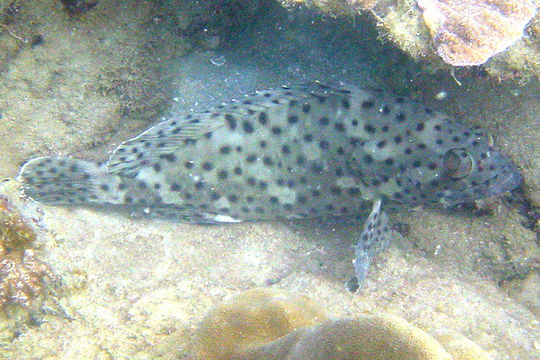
point(222, 174)
point(268, 161)
point(156, 167)
point(306, 108)
point(207, 166)
point(285, 149)
point(293, 119)
point(369, 129)
point(368, 104)
point(339, 126)
point(276, 130)
point(316, 169)
point(169, 157)
point(251, 158)
point(246, 125)
point(199, 185)
point(420, 127)
point(263, 118)
point(231, 121)
point(324, 145)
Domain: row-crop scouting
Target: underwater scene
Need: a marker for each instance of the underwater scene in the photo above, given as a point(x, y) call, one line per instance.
point(270, 179)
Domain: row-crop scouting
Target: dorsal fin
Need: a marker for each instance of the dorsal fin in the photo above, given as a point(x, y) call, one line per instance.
point(163, 138)
point(173, 134)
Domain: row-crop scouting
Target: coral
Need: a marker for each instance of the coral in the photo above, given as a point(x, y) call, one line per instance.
point(264, 324)
point(21, 273)
point(459, 346)
point(251, 319)
point(365, 338)
point(465, 32)
point(469, 32)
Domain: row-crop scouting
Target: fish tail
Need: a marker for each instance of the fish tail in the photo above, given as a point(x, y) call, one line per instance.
point(60, 180)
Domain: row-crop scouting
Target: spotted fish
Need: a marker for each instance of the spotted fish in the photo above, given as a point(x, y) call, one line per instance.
point(307, 151)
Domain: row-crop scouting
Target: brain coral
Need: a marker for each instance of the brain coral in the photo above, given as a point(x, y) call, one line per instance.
point(469, 32)
point(251, 319)
point(267, 324)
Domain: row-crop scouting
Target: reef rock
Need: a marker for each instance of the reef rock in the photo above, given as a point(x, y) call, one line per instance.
point(469, 32)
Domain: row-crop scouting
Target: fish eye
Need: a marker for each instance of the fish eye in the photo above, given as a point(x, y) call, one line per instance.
point(458, 163)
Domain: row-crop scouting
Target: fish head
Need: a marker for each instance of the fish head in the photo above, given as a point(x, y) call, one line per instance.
point(476, 172)
point(464, 169)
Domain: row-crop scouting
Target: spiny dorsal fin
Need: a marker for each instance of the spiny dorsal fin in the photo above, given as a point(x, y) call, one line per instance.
point(163, 138)
point(173, 134)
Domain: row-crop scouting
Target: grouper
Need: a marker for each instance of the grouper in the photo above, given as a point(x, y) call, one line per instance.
point(307, 151)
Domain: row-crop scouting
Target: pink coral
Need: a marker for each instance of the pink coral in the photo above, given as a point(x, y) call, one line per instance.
point(469, 32)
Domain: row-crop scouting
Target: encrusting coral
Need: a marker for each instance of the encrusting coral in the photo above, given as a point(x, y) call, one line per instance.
point(265, 324)
point(469, 32)
point(21, 273)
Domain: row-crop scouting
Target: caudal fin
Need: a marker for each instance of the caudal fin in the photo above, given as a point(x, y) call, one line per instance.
point(58, 180)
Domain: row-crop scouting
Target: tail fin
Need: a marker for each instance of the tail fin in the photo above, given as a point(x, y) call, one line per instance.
point(57, 180)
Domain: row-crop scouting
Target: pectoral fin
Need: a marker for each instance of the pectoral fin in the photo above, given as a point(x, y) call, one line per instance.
point(375, 238)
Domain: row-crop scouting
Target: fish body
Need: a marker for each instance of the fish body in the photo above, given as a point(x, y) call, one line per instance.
point(312, 150)
point(297, 152)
